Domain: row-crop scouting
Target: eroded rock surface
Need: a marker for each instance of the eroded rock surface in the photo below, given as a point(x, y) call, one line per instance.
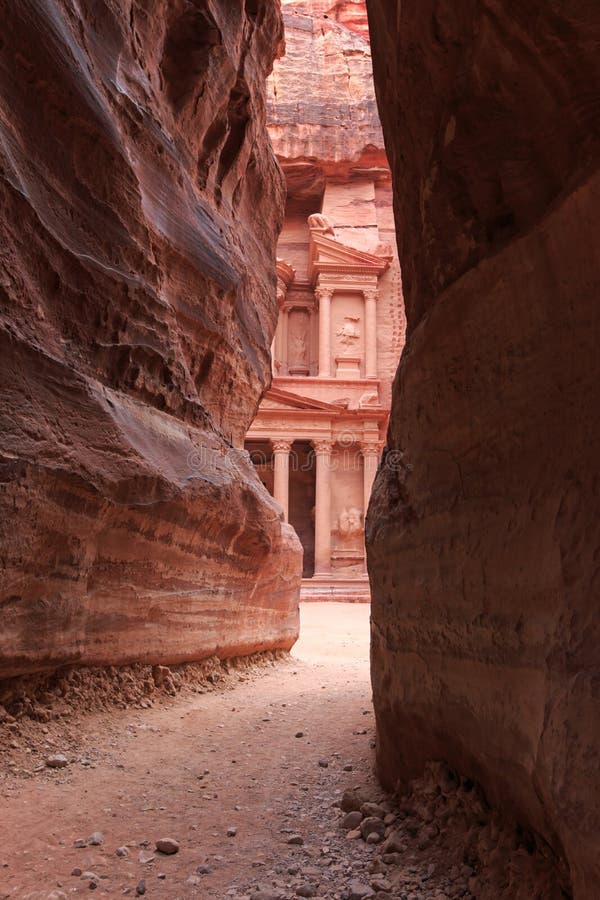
point(322, 110)
point(141, 205)
point(483, 530)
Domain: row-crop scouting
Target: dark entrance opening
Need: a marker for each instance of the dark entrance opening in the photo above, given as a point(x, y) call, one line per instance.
point(261, 455)
point(302, 501)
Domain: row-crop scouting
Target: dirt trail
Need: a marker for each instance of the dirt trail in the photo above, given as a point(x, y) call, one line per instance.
point(267, 759)
point(144, 781)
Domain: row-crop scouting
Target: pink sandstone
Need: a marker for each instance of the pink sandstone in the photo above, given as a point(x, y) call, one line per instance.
point(141, 207)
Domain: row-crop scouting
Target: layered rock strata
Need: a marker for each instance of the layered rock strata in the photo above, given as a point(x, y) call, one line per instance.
point(141, 205)
point(483, 530)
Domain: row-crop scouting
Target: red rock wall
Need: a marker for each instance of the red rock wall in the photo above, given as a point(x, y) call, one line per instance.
point(483, 530)
point(141, 204)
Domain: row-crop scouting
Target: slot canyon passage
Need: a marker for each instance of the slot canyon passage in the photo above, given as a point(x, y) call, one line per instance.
point(150, 584)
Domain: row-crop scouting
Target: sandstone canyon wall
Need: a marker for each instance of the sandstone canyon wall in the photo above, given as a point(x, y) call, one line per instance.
point(483, 529)
point(141, 204)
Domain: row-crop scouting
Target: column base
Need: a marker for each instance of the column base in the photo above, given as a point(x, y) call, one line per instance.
point(348, 367)
point(336, 588)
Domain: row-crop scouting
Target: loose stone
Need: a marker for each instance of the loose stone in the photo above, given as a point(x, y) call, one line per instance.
point(373, 809)
point(381, 884)
point(57, 761)
point(352, 820)
point(359, 891)
point(167, 846)
point(372, 826)
point(351, 800)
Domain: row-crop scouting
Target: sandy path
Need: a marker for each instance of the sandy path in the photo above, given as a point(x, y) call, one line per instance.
point(261, 779)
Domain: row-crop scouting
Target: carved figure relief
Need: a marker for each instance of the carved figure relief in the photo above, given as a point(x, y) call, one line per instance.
point(349, 334)
point(299, 348)
point(369, 399)
point(319, 222)
point(350, 522)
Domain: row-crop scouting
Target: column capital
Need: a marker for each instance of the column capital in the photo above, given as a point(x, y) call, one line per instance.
point(371, 448)
point(371, 293)
point(324, 445)
point(281, 445)
point(323, 293)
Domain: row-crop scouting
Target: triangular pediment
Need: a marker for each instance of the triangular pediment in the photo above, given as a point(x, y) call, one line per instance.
point(330, 256)
point(276, 398)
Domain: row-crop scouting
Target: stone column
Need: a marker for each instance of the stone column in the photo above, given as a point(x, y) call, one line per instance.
point(370, 296)
point(281, 474)
point(324, 297)
point(323, 507)
point(371, 451)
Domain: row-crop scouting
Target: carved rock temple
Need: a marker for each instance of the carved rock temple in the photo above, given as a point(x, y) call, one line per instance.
point(319, 432)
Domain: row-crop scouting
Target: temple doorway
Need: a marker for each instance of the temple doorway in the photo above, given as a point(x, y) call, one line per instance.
point(302, 501)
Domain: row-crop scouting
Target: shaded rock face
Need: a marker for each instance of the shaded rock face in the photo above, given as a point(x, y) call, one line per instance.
point(141, 204)
point(483, 530)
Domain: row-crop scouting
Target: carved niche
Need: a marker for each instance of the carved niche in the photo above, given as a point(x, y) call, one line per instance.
point(298, 341)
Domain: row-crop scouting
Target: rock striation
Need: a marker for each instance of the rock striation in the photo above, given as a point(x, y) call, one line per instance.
point(141, 206)
point(483, 529)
